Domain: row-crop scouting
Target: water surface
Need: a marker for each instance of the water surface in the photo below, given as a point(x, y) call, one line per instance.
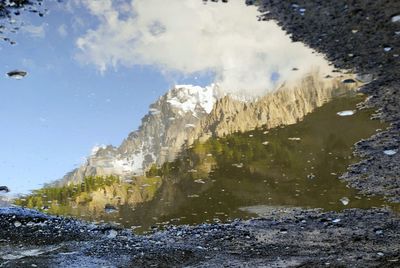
point(231, 177)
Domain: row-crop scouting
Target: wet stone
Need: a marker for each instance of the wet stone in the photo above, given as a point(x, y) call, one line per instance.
point(390, 152)
point(396, 18)
point(387, 48)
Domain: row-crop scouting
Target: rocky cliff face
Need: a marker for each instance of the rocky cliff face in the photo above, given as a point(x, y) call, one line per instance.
point(187, 113)
point(287, 105)
point(159, 138)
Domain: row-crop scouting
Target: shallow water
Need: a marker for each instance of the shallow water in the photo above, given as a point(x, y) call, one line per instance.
point(238, 176)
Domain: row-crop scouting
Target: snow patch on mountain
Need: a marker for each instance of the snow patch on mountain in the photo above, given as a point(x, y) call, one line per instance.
point(160, 137)
point(187, 97)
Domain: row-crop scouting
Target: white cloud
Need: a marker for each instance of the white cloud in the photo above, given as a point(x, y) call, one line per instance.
point(35, 31)
point(189, 37)
point(62, 30)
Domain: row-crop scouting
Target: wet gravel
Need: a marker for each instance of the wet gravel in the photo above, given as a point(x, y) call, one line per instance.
point(361, 37)
point(285, 238)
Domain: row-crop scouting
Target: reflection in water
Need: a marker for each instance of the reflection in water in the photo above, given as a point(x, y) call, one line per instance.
point(220, 179)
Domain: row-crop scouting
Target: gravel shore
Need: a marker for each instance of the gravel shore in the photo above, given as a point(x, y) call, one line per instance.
point(284, 238)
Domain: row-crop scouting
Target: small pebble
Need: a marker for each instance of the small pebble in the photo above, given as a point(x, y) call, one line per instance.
point(390, 152)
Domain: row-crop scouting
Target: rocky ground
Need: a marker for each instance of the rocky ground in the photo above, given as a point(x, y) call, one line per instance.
point(355, 35)
point(285, 238)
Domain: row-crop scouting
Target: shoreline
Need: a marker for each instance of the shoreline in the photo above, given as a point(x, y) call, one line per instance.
point(290, 238)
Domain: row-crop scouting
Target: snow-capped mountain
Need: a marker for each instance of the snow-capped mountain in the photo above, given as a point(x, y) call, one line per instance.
point(187, 113)
point(159, 138)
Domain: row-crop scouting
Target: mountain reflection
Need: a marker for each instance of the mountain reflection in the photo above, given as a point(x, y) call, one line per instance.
point(296, 165)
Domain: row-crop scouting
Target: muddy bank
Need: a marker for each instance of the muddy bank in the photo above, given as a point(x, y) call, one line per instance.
point(362, 37)
point(286, 237)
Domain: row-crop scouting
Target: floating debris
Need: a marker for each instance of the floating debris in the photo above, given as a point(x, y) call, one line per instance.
point(295, 69)
point(239, 165)
point(17, 74)
point(193, 196)
point(189, 126)
point(349, 81)
point(17, 224)
point(354, 31)
point(345, 200)
point(199, 181)
point(311, 176)
point(192, 171)
point(336, 220)
point(390, 152)
point(346, 113)
point(4, 189)
point(265, 143)
point(294, 139)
